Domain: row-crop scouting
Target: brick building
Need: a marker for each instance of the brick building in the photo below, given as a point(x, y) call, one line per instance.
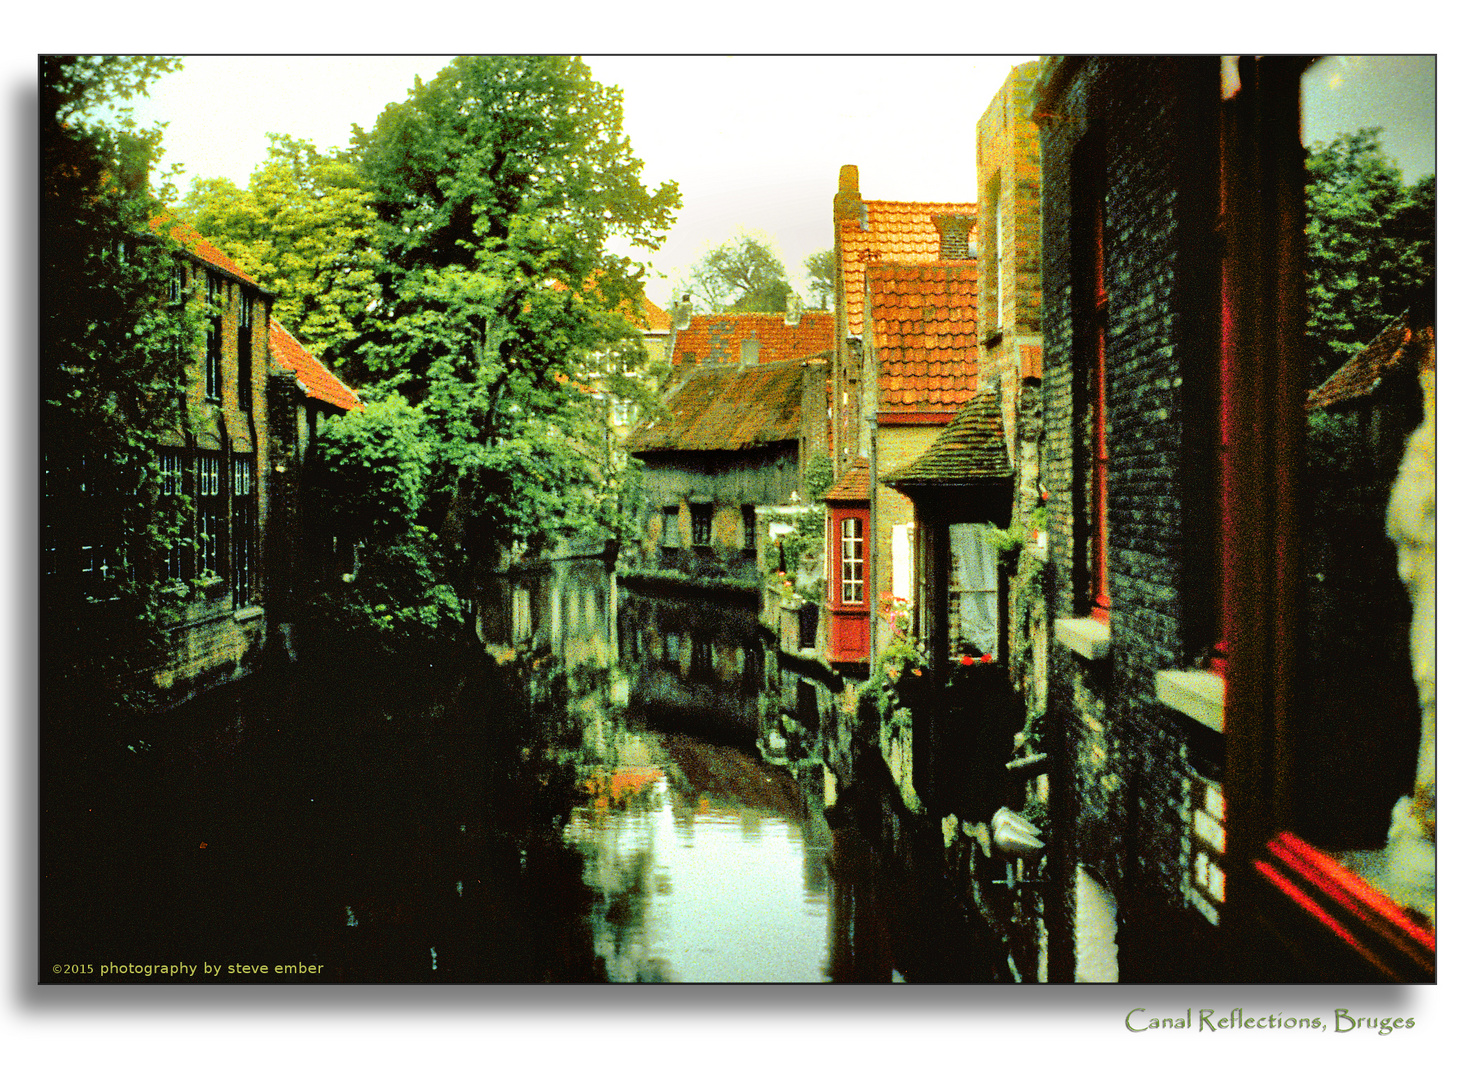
point(1173, 393)
point(905, 361)
point(238, 450)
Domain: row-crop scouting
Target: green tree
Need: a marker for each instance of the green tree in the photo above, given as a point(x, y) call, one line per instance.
point(113, 352)
point(1370, 246)
point(304, 228)
point(742, 275)
point(822, 276)
point(496, 186)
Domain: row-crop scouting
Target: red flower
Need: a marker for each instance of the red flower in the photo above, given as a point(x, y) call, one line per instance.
point(986, 658)
point(966, 661)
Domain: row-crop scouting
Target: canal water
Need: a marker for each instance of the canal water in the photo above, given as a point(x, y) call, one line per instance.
point(622, 799)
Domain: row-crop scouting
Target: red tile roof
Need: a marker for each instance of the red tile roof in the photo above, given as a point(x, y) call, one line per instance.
point(310, 372)
point(924, 323)
point(1399, 345)
point(716, 339)
point(852, 486)
point(201, 248)
point(729, 407)
point(896, 232)
point(656, 318)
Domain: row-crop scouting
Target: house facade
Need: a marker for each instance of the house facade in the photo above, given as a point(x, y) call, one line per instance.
point(729, 445)
point(905, 361)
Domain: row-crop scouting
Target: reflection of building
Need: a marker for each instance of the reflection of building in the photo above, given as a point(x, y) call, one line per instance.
point(1173, 395)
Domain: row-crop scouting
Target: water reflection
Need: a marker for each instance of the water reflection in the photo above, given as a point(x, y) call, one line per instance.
point(645, 805)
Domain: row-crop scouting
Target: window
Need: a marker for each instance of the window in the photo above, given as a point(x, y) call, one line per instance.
point(208, 511)
point(245, 391)
point(992, 241)
point(171, 485)
point(851, 560)
point(700, 514)
point(1091, 324)
point(670, 533)
point(748, 528)
point(973, 599)
point(214, 334)
point(242, 527)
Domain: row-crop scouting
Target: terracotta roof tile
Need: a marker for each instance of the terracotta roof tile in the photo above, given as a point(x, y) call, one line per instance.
point(729, 407)
point(1400, 344)
point(716, 339)
point(313, 375)
point(970, 448)
point(921, 367)
point(896, 232)
point(200, 248)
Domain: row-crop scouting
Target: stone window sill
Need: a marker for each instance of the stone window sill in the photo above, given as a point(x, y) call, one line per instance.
point(1087, 637)
point(1198, 694)
point(246, 614)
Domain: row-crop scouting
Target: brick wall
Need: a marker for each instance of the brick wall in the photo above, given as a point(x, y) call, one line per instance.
point(1118, 800)
point(220, 637)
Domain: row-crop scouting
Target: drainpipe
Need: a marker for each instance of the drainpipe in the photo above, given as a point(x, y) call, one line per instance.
point(873, 537)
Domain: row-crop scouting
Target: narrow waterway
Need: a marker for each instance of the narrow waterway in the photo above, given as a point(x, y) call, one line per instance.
point(624, 801)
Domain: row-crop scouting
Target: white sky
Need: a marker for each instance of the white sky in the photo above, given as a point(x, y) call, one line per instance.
point(754, 143)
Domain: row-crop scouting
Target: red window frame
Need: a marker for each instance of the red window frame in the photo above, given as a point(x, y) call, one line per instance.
point(1093, 328)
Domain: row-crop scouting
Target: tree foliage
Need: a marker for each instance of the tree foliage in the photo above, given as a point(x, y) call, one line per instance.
point(500, 312)
point(113, 355)
point(1370, 246)
point(742, 275)
point(822, 276)
point(304, 228)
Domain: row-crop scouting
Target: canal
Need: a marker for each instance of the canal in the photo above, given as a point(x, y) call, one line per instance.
point(636, 792)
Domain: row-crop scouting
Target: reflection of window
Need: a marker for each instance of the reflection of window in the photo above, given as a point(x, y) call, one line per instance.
point(702, 659)
point(670, 534)
point(700, 524)
point(851, 560)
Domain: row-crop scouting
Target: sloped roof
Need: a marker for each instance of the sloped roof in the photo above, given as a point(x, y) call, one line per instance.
point(971, 447)
point(924, 323)
point(201, 248)
point(853, 485)
point(1399, 345)
point(310, 372)
point(728, 407)
point(656, 318)
point(716, 339)
point(896, 232)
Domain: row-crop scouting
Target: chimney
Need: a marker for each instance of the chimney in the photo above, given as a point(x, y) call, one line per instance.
point(794, 310)
point(680, 316)
point(955, 230)
point(848, 204)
